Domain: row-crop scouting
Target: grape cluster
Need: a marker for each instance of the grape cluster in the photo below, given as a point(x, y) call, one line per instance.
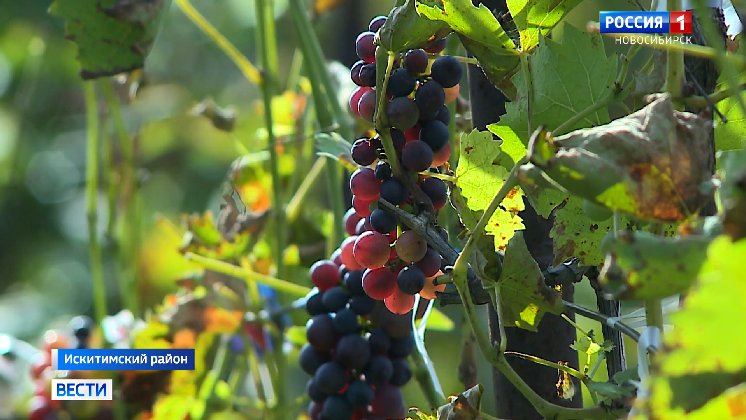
point(41, 406)
point(417, 93)
point(356, 350)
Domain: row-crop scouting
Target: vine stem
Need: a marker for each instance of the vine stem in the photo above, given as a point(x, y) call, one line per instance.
point(266, 41)
point(292, 210)
point(242, 273)
point(701, 101)
point(248, 69)
point(422, 375)
point(92, 176)
point(326, 106)
point(130, 225)
point(675, 66)
point(383, 71)
point(538, 360)
point(459, 267)
point(444, 177)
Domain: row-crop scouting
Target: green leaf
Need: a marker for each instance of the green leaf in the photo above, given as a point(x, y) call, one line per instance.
point(332, 145)
point(404, 29)
point(464, 406)
point(609, 390)
point(172, 407)
point(701, 371)
point(113, 36)
point(438, 321)
point(523, 294)
point(585, 345)
point(296, 335)
point(480, 33)
point(575, 235)
point(479, 179)
point(568, 76)
point(642, 265)
point(730, 135)
point(538, 17)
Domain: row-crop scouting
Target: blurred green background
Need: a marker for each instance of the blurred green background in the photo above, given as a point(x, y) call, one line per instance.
point(44, 270)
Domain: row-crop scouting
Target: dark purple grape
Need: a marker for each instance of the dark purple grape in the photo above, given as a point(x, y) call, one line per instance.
point(436, 190)
point(402, 347)
point(330, 377)
point(353, 281)
point(402, 372)
point(376, 143)
point(362, 304)
point(368, 75)
point(314, 304)
point(335, 299)
point(355, 72)
point(389, 403)
point(362, 152)
point(430, 263)
point(395, 326)
point(435, 134)
point(401, 82)
point(336, 407)
point(403, 113)
point(359, 394)
point(447, 71)
point(382, 222)
point(365, 48)
point(353, 352)
point(444, 115)
point(416, 61)
point(310, 359)
point(346, 322)
point(367, 105)
point(393, 191)
point(410, 280)
point(314, 392)
point(398, 138)
point(379, 342)
point(429, 99)
point(417, 156)
point(378, 371)
point(383, 171)
point(376, 23)
point(314, 410)
point(321, 333)
point(437, 46)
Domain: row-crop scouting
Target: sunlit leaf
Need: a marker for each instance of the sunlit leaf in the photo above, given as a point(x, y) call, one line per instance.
point(438, 321)
point(479, 179)
point(534, 18)
point(575, 235)
point(296, 335)
point(405, 29)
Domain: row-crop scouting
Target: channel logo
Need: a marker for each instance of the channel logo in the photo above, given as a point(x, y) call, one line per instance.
point(646, 22)
point(82, 389)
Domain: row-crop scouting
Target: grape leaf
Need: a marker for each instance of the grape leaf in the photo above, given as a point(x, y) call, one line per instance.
point(523, 294)
point(404, 29)
point(575, 235)
point(480, 33)
point(479, 179)
point(113, 36)
point(568, 76)
point(642, 265)
point(533, 17)
point(701, 372)
point(438, 321)
point(730, 135)
point(649, 164)
point(464, 406)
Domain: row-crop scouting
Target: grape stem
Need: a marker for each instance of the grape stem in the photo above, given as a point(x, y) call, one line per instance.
point(384, 65)
point(465, 60)
point(450, 178)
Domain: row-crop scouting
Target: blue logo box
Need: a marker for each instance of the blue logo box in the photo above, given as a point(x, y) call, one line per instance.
point(634, 22)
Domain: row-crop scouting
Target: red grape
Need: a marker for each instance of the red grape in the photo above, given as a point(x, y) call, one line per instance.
point(355, 99)
point(428, 292)
point(364, 184)
point(413, 133)
point(40, 362)
point(362, 207)
point(430, 263)
point(441, 156)
point(399, 302)
point(365, 47)
point(451, 93)
point(337, 257)
point(437, 46)
point(324, 274)
point(372, 249)
point(39, 408)
point(350, 220)
point(362, 226)
point(410, 246)
point(379, 283)
point(366, 107)
point(348, 257)
point(355, 72)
